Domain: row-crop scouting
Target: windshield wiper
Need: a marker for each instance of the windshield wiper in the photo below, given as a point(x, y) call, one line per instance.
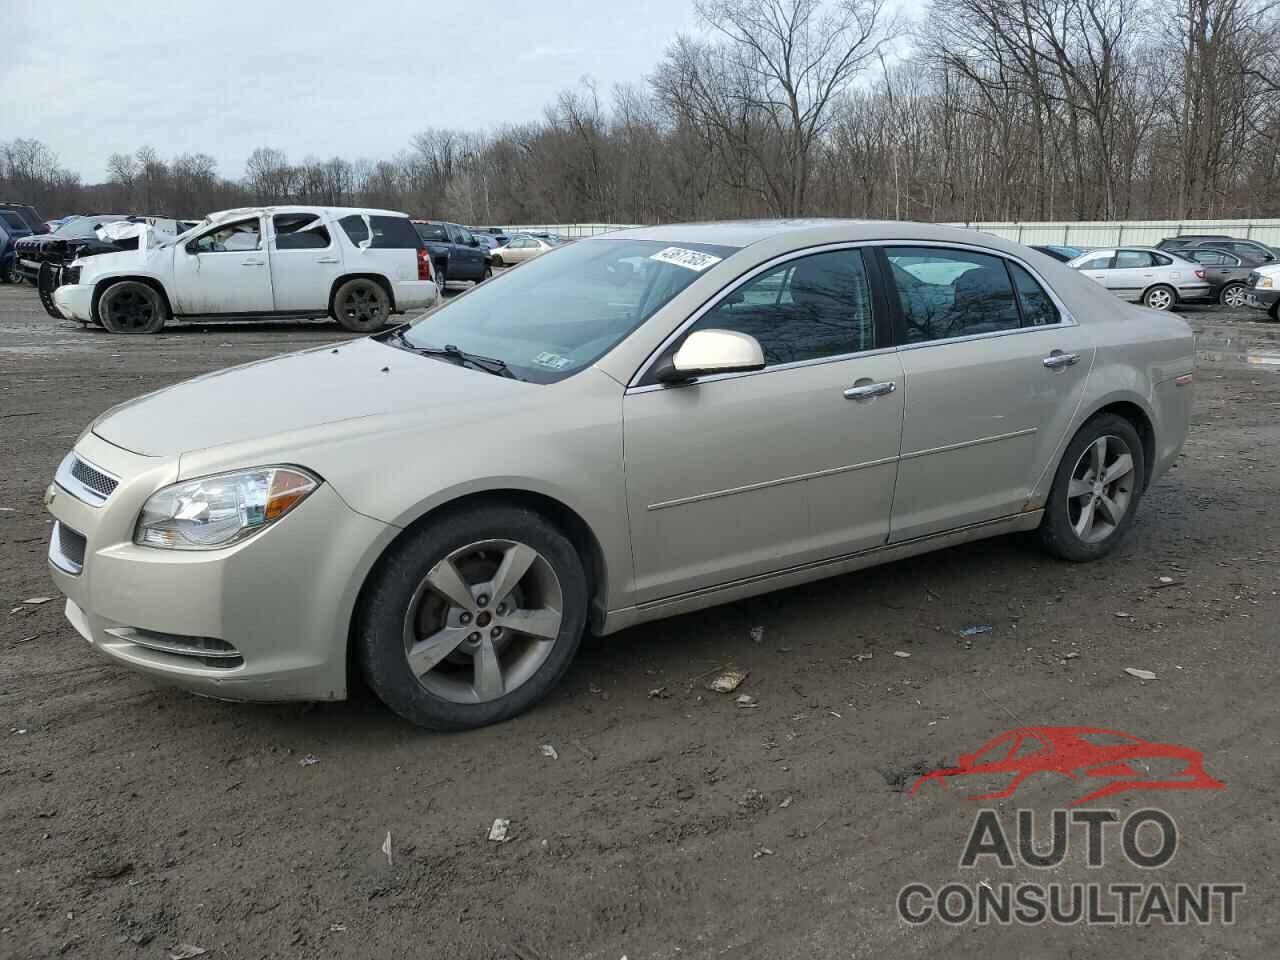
point(449, 351)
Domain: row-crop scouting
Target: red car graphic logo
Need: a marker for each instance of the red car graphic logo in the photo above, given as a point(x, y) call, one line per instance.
point(1079, 753)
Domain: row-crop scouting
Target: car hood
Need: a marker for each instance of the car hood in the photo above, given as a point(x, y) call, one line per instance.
point(297, 391)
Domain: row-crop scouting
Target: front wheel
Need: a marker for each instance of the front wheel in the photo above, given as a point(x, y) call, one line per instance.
point(473, 619)
point(487, 275)
point(498, 261)
point(361, 305)
point(132, 307)
point(1233, 295)
point(1160, 298)
point(1096, 490)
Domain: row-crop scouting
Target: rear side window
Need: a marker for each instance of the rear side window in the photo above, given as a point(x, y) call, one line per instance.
point(805, 309)
point(300, 231)
point(1038, 308)
point(951, 293)
point(434, 232)
point(1097, 263)
point(389, 233)
point(11, 218)
point(1133, 259)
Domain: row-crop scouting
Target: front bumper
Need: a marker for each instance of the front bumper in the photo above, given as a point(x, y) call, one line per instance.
point(1261, 298)
point(265, 619)
point(75, 301)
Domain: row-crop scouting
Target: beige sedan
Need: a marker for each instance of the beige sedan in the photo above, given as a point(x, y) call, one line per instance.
point(520, 249)
point(634, 426)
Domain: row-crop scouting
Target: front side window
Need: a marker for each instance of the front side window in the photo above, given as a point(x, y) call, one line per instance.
point(464, 237)
point(808, 308)
point(1097, 263)
point(951, 293)
point(561, 312)
point(300, 231)
point(229, 238)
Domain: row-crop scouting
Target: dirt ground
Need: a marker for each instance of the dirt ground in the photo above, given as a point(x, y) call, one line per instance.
point(674, 822)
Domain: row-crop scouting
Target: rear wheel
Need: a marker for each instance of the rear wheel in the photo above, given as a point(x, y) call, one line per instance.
point(1160, 298)
point(361, 305)
point(1096, 490)
point(1233, 295)
point(473, 619)
point(132, 307)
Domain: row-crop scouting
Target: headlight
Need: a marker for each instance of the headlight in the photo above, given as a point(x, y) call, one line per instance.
point(221, 510)
point(1267, 282)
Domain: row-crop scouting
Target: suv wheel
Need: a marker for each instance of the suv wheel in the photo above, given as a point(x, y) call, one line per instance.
point(1096, 490)
point(361, 305)
point(132, 307)
point(473, 619)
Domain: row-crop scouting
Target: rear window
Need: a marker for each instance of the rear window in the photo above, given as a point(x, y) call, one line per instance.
point(11, 218)
point(436, 232)
point(389, 233)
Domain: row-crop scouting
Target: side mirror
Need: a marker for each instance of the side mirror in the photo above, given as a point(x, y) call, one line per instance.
point(707, 352)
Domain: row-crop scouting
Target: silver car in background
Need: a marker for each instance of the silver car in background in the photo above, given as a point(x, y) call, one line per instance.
point(633, 426)
point(520, 249)
point(1155, 278)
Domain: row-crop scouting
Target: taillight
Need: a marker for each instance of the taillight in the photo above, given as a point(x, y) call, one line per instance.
point(424, 264)
point(1199, 274)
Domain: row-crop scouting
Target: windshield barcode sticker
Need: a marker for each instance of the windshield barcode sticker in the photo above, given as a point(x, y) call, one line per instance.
point(694, 260)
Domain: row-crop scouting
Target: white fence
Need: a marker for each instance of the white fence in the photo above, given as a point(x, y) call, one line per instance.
point(1144, 233)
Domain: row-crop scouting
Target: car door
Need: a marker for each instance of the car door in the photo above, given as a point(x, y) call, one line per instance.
point(223, 270)
point(1132, 272)
point(1218, 266)
point(1098, 267)
point(467, 260)
point(995, 371)
point(305, 262)
point(740, 475)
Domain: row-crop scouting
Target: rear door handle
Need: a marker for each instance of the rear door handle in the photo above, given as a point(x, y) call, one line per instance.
point(866, 391)
point(327, 260)
point(1058, 359)
point(252, 262)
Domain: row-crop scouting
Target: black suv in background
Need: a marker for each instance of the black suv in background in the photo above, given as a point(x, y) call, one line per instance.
point(1251, 252)
point(28, 214)
point(455, 253)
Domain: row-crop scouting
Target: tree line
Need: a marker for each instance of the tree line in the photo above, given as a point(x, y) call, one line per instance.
point(981, 110)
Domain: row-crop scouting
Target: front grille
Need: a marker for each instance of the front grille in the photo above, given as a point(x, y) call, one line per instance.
point(95, 480)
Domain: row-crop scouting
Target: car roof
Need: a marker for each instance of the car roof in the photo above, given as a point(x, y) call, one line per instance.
point(744, 233)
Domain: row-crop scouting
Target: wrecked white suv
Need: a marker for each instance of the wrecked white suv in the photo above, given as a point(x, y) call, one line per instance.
point(357, 266)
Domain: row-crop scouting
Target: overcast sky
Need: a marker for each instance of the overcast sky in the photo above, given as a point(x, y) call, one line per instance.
point(351, 77)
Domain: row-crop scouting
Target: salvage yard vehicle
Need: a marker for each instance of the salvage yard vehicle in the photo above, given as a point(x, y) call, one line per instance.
point(77, 237)
point(1228, 276)
point(631, 427)
point(1263, 292)
point(522, 247)
point(455, 252)
point(1251, 252)
point(27, 214)
point(358, 266)
point(1154, 278)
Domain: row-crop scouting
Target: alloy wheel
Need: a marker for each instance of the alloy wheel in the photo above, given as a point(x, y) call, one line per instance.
point(482, 621)
point(1101, 489)
point(1159, 299)
point(1234, 296)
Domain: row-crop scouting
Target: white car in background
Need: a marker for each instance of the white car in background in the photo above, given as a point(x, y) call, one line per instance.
point(358, 266)
point(1154, 278)
point(520, 249)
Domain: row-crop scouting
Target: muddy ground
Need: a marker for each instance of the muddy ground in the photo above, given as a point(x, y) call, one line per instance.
point(674, 823)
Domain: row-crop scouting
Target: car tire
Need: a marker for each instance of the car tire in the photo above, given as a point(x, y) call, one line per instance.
point(131, 306)
point(1086, 516)
point(442, 277)
point(361, 305)
point(9, 272)
point(482, 668)
point(1160, 297)
point(487, 275)
point(1233, 295)
point(1274, 312)
point(498, 261)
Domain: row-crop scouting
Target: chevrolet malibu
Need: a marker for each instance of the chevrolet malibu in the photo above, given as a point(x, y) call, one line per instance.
point(631, 427)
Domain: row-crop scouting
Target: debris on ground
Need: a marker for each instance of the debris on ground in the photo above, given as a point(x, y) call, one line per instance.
point(1123, 615)
point(36, 601)
point(498, 832)
point(309, 760)
point(727, 681)
point(761, 852)
point(746, 700)
point(757, 634)
point(902, 654)
point(386, 848)
point(1140, 674)
point(658, 693)
point(337, 927)
point(785, 803)
point(862, 657)
point(976, 629)
point(185, 951)
point(1070, 655)
point(549, 752)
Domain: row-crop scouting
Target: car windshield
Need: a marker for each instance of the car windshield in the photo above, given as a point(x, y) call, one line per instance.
point(554, 315)
point(82, 227)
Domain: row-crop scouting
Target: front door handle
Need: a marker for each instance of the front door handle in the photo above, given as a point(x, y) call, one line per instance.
point(327, 260)
point(1057, 360)
point(252, 262)
point(865, 391)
